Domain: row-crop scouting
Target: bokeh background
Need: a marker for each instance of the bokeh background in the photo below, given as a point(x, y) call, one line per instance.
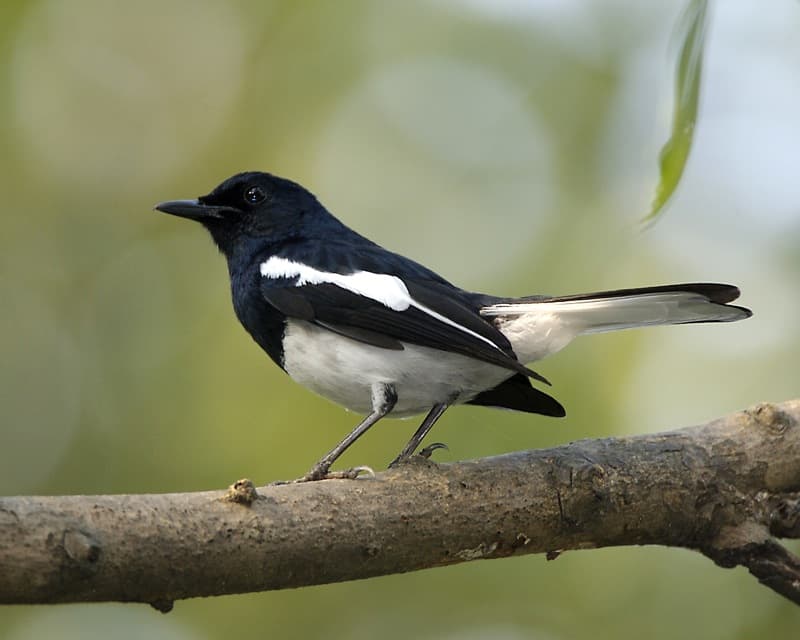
point(510, 144)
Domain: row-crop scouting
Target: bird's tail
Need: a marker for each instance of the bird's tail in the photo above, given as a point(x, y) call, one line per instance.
point(538, 326)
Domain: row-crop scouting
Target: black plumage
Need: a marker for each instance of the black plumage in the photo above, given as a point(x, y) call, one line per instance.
point(383, 334)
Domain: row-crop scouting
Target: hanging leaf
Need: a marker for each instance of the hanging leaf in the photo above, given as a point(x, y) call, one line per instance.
point(675, 152)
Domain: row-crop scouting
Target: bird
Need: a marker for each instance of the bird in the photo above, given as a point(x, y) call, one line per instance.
point(383, 335)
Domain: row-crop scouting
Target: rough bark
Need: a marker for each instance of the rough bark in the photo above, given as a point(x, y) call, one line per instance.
point(727, 489)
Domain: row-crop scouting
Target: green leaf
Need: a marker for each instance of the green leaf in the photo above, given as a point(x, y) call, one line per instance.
point(675, 152)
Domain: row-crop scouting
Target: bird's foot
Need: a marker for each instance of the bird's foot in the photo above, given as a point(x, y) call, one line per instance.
point(323, 473)
point(344, 474)
point(424, 454)
point(428, 451)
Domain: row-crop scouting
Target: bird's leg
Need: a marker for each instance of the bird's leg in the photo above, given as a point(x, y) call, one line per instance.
point(433, 415)
point(384, 397)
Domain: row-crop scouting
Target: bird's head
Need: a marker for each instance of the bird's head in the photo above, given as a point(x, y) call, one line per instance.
point(252, 207)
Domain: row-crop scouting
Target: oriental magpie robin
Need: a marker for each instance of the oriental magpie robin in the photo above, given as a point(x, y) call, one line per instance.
point(381, 334)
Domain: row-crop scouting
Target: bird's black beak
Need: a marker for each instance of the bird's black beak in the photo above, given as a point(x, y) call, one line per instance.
point(192, 209)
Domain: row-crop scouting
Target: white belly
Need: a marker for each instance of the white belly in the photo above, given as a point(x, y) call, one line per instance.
point(344, 370)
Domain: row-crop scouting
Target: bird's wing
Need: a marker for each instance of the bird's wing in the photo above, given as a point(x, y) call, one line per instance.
point(385, 311)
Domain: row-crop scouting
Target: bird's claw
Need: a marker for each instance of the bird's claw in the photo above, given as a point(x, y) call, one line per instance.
point(350, 474)
point(427, 451)
point(423, 454)
point(317, 474)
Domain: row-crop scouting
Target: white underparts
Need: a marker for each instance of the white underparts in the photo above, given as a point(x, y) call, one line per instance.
point(352, 373)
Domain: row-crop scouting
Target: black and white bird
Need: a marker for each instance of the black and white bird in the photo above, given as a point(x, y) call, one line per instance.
point(383, 335)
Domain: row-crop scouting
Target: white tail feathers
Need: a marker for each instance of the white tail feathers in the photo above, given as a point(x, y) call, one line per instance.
point(538, 328)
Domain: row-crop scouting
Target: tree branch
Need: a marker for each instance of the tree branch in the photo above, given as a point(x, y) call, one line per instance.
point(726, 489)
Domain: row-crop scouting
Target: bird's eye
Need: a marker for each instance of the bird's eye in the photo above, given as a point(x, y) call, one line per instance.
point(254, 195)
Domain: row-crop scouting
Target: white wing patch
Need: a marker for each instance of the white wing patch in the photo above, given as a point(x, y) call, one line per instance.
point(389, 290)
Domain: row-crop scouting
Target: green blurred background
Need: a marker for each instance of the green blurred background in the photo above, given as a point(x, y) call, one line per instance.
point(510, 145)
